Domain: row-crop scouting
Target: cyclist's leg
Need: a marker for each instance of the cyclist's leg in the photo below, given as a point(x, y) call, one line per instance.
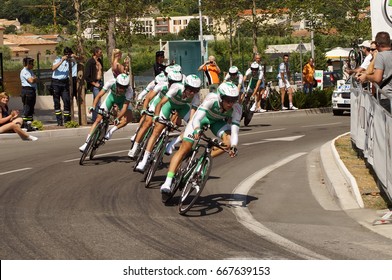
point(140, 135)
point(93, 126)
point(290, 94)
point(222, 130)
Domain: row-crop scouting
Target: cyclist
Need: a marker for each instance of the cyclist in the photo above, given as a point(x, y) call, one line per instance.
point(255, 78)
point(120, 93)
point(236, 78)
point(216, 111)
point(149, 104)
point(181, 98)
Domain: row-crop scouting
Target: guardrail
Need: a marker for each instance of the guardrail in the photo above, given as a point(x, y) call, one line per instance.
point(371, 131)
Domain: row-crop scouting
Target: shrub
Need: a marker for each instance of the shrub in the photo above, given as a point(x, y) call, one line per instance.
point(71, 124)
point(38, 125)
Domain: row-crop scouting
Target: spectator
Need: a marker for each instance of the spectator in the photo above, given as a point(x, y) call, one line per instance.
point(370, 69)
point(284, 84)
point(158, 65)
point(329, 65)
point(211, 70)
point(60, 85)
point(28, 94)
point(260, 96)
point(117, 67)
point(382, 74)
point(93, 74)
point(365, 64)
point(308, 76)
point(10, 121)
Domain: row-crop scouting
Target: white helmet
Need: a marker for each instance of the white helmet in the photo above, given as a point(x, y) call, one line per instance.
point(177, 67)
point(160, 78)
point(174, 76)
point(228, 89)
point(122, 80)
point(255, 66)
point(233, 70)
point(193, 81)
point(168, 69)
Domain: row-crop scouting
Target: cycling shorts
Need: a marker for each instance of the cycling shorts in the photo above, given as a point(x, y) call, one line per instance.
point(111, 99)
point(284, 85)
point(168, 107)
point(217, 127)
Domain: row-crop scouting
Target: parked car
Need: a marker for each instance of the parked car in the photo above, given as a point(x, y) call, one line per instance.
point(341, 99)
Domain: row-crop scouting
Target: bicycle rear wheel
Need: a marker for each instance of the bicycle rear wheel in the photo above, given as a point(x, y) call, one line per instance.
point(274, 101)
point(195, 185)
point(156, 160)
point(353, 58)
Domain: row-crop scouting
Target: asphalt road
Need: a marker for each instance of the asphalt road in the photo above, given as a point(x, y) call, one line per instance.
point(268, 203)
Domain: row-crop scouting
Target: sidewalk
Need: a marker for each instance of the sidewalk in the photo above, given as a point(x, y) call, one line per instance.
point(339, 181)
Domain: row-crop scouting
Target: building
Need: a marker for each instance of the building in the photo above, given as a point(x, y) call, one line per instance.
point(29, 46)
point(6, 23)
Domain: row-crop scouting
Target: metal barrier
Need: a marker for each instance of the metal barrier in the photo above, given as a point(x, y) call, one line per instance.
point(371, 131)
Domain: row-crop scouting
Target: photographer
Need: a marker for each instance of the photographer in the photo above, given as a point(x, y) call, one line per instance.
point(211, 70)
point(60, 85)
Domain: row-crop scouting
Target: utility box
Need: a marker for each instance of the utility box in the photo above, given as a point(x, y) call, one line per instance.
point(187, 54)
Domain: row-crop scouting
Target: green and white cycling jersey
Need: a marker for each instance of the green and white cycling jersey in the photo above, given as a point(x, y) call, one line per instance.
point(210, 112)
point(160, 90)
point(150, 86)
point(180, 101)
point(113, 97)
point(253, 78)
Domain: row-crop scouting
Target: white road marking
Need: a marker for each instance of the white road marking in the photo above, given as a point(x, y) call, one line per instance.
point(264, 131)
point(98, 155)
point(16, 170)
point(286, 139)
point(326, 124)
point(245, 217)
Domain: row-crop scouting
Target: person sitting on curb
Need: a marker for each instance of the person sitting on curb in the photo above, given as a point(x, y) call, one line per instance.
point(10, 121)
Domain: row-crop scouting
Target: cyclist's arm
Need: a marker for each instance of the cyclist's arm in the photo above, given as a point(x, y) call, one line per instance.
point(235, 124)
point(123, 109)
point(98, 97)
point(148, 98)
point(160, 104)
point(256, 89)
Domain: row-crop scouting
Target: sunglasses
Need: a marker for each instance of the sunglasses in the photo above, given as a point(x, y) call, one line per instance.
point(230, 99)
point(373, 50)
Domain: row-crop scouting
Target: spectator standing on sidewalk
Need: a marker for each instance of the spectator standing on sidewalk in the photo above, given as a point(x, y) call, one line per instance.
point(159, 67)
point(212, 71)
point(60, 85)
point(308, 76)
point(284, 83)
point(11, 121)
point(382, 74)
point(368, 57)
point(93, 73)
point(28, 94)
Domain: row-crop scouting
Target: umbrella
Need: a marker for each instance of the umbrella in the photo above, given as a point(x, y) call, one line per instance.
point(337, 53)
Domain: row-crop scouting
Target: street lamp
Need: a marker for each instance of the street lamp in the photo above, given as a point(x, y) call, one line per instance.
point(301, 48)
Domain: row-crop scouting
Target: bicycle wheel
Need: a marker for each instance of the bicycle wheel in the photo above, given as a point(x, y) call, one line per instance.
point(143, 146)
point(274, 101)
point(91, 142)
point(353, 59)
point(195, 185)
point(157, 158)
point(101, 129)
point(248, 113)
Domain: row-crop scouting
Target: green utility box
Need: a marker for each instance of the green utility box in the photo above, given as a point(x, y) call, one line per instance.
point(188, 55)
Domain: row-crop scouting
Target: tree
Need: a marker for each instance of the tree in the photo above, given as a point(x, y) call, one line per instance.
point(192, 31)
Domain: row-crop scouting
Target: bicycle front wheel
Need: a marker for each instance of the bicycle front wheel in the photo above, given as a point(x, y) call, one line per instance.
point(248, 113)
point(195, 185)
point(353, 58)
point(90, 144)
point(156, 161)
point(101, 131)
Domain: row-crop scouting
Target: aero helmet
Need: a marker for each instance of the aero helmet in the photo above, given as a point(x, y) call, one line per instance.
point(228, 89)
point(122, 80)
point(254, 66)
point(193, 81)
point(168, 69)
point(174, 76)
point(233, 70)
point(177, 67)
point(160, 78)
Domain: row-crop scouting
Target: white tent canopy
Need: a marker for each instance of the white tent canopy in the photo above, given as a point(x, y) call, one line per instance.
point(337, 53)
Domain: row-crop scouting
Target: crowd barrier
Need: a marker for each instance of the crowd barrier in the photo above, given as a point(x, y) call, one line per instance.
point(371, 129)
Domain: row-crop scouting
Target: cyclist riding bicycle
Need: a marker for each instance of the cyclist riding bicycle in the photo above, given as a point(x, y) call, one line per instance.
point(222, 113)
point(236, 77)
point(182, 98)
point(150, 102)
point(255, 77)
point(120, 93)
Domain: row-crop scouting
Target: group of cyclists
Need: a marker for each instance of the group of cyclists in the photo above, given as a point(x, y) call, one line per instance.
point(175, 97)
